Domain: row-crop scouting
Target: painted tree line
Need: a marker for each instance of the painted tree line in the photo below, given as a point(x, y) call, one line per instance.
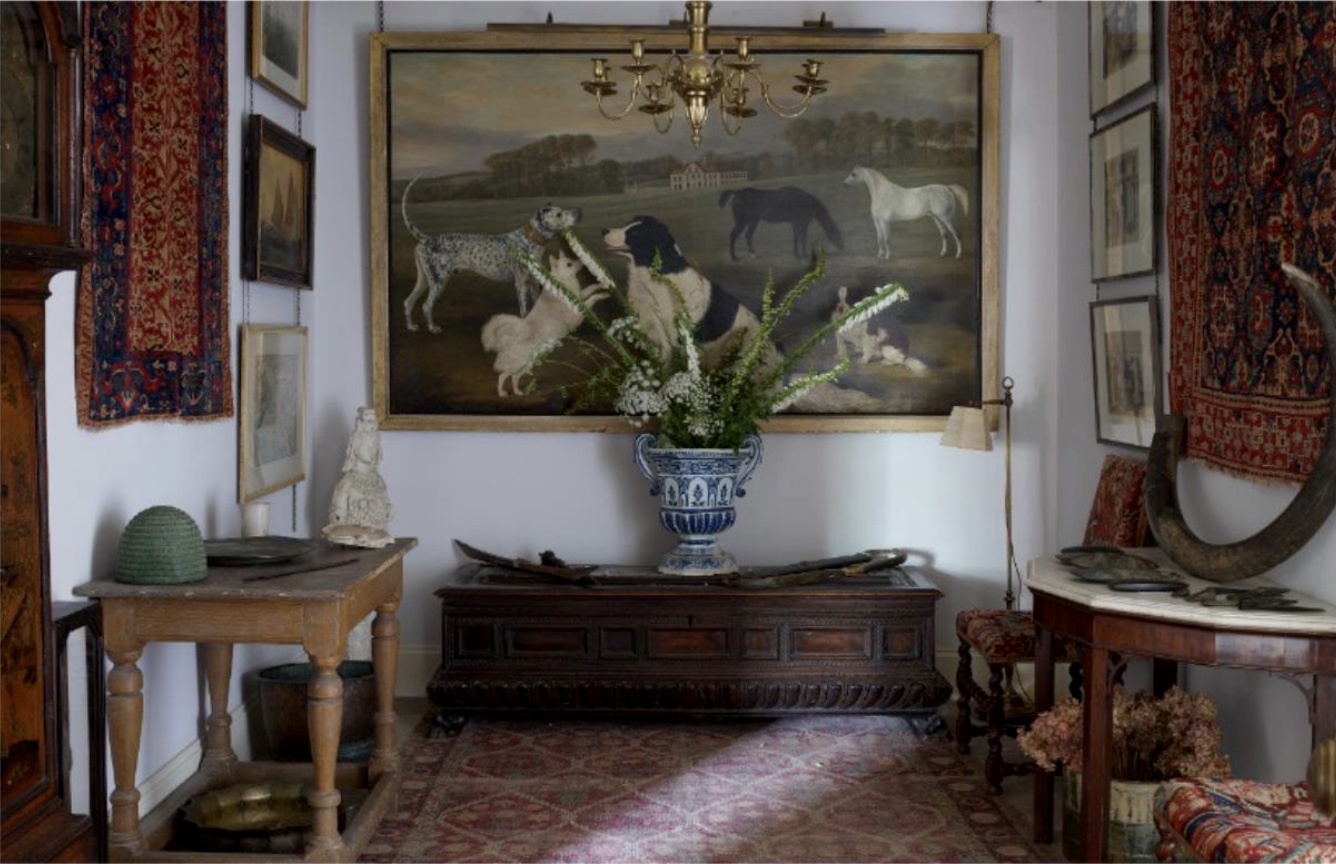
point(568, 164)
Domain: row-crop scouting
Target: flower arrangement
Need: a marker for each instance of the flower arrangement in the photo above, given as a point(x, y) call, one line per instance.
point(1154, 739)
point(697, 400)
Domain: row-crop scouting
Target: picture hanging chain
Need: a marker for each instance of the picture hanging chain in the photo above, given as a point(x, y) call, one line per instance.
point(245, 282)
point(380, 16)
point(988, 20)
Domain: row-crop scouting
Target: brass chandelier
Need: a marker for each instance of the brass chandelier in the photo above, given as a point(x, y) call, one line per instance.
point(699, 80)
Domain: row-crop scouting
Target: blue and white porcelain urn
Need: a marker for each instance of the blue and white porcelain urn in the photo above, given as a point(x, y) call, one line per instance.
point(696, 487)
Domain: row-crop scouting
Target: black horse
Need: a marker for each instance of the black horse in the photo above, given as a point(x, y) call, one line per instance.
point(752, 206)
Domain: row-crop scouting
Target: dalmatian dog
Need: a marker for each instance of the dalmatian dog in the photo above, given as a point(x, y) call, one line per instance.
point(492, 256)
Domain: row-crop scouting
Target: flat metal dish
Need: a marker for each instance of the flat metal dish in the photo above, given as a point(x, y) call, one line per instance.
point(250, 551)
point(1145, 585)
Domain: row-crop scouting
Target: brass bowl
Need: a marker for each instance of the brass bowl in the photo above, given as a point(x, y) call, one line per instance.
point(251, 817)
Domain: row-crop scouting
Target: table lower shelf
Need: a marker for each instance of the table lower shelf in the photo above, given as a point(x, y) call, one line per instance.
point(160, 828)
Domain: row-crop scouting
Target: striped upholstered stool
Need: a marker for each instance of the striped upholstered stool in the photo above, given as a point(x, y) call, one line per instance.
point(1207, 819)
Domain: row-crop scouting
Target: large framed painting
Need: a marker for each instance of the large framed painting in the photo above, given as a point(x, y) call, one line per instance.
point(1124, 197)
point(1125, 341)
point(479, 140)
point(278, 213)
point(1122, 51)
point(271, 451)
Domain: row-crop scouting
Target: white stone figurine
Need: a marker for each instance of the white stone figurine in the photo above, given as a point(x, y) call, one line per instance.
point(360, 512)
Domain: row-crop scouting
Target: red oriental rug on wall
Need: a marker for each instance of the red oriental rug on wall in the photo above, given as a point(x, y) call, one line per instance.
point(848, 789)
point(1252, 183)
point(151, 326)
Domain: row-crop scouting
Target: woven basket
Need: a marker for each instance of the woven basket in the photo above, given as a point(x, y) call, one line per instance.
point(161, 545)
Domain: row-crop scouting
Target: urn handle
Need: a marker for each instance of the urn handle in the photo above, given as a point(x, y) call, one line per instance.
point(751, 457)
point(644, 441)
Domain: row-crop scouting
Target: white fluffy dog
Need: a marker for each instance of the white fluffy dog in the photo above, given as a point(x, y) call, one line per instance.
point(518, 341)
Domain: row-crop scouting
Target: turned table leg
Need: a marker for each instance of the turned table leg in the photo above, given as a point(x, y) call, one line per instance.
point(385, 656)
point(324, 716)
point(125, 719)
point(218, 754)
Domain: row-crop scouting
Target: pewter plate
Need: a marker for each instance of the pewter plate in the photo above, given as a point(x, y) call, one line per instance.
point(249, 551)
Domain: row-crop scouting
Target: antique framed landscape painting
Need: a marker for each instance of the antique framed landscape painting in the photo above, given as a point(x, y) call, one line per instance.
point(272, 437)
point(1125, 341)
point(461, 173)
point(1123, 198)
point(279, 205)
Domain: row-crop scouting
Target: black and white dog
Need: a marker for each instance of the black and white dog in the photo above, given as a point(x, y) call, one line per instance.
point(717, 315)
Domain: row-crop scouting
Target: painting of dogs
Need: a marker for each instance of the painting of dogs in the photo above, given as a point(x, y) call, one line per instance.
point(491, 256)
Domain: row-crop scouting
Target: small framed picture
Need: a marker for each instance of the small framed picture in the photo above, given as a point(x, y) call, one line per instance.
point(1123, 198)
point(1124, 337)
point(278, 211)
point(1122, 51)
point(278, 47)
point(272, 439)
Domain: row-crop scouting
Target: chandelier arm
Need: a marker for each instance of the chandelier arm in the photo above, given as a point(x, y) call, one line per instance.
point(788, 112)
point(630, 104)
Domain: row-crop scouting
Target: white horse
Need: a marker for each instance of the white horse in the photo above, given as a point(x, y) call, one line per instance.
point(892, 203)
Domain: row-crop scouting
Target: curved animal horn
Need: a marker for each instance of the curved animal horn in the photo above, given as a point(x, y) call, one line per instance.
point(1229, 562)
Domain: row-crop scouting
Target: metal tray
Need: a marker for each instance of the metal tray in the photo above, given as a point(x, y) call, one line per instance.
point(249, 551)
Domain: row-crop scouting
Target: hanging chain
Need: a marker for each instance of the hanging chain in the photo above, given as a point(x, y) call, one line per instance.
point(380, 16)
point(988, 22)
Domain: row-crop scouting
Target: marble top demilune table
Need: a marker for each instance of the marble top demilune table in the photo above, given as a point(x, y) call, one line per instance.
point(1113, 626)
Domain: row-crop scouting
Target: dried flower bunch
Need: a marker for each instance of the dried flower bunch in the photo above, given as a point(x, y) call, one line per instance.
point(697, 401)
point(1176, 735)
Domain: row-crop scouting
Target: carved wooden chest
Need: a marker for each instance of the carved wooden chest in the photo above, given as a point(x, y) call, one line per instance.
point(637, 642)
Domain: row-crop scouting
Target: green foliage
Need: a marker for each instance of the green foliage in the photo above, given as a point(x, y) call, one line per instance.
point(697, 401)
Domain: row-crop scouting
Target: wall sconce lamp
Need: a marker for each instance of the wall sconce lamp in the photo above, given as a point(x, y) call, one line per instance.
point(967, 428)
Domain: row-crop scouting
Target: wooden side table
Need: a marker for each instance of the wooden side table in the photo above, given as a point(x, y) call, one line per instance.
point(1112, 627)
point(315, 610)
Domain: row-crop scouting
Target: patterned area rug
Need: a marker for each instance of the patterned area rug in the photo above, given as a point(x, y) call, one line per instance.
point(1252, 183)
point(847, 789)
point(151, 325)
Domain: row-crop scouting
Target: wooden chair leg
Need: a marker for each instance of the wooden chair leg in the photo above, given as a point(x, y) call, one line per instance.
point(964, 689)
point(996, 713)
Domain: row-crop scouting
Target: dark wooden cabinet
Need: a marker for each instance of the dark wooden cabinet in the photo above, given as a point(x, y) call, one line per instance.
point(38, 238)
point(640, 643)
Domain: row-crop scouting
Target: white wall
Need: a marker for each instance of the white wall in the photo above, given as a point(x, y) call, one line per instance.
point(520, 493)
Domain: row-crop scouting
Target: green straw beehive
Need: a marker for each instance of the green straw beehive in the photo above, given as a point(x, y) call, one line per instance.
point(161, 545)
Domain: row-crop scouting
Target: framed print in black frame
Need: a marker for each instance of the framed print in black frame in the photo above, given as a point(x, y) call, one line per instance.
point(1125, 346)
point(1124, 197)
point(279, 47)
point(277, 221)
point(456, 161)
point(1122, 51)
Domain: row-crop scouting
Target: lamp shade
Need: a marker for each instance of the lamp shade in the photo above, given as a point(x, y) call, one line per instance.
point(967, 428)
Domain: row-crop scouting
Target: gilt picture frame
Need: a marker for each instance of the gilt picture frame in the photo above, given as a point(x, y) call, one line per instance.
point(1124, 197)
point(271, 443)
point(1125, 348)
point(278, 210)
point(459, 167)
point(1122, 52)
point(280, 47)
